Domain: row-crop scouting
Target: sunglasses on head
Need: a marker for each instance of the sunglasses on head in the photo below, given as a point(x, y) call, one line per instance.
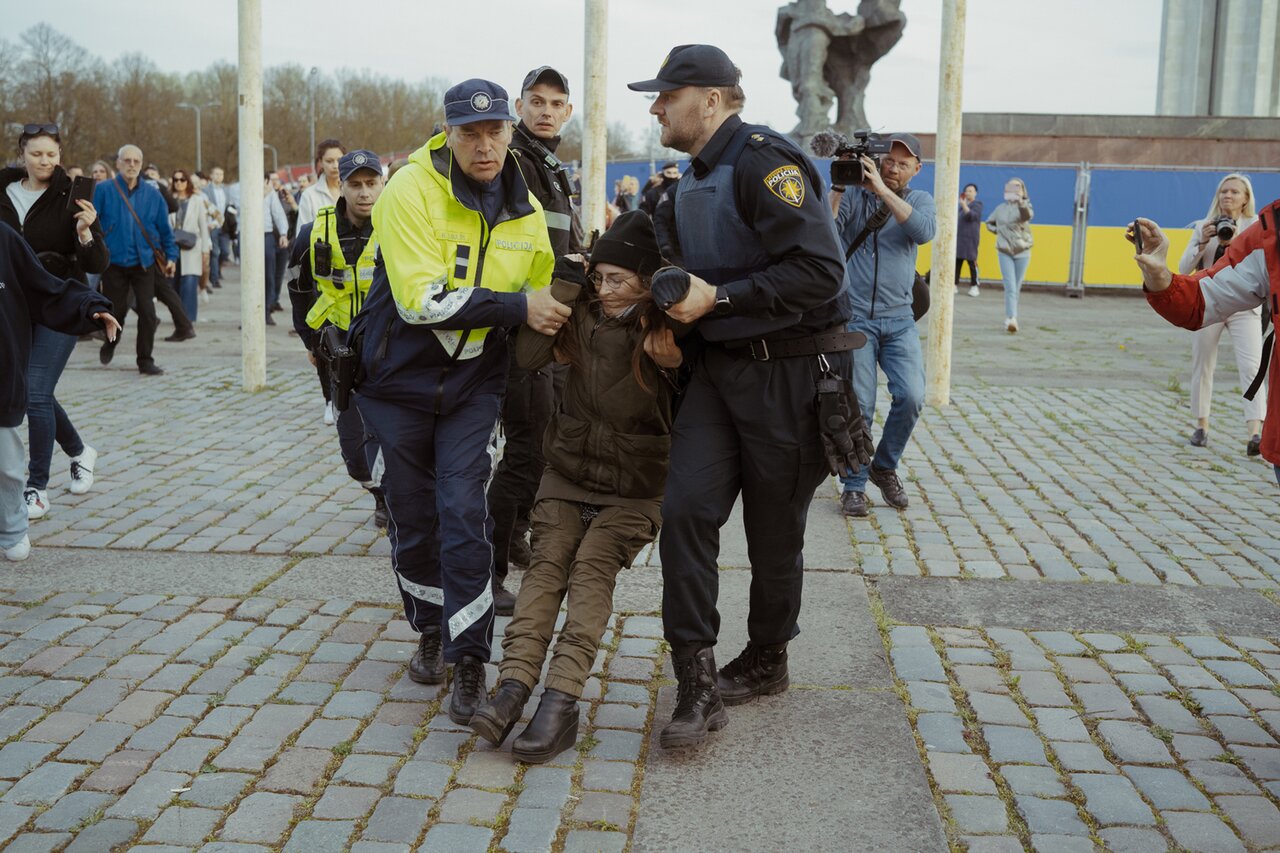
point(34, 129)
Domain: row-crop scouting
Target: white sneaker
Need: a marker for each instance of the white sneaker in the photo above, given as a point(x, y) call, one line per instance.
point(1011, 325)
point(82, 471)
point(328, 414)
point(20, 551)
point(973, 291)
point(37, 503)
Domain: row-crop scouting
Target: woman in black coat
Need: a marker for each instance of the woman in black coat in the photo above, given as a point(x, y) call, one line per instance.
point(35, 200)
point(968, 231)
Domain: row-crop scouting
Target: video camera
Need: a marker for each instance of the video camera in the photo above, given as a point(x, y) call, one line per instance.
point(845, 173)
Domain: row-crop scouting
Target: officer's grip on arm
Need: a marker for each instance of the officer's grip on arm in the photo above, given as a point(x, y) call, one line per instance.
point(417, 269)
point(534, 347)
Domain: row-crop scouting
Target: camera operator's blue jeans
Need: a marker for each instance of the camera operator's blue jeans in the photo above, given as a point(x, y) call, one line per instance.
point(894, 345)
point(46, 421)
point(1013, 269)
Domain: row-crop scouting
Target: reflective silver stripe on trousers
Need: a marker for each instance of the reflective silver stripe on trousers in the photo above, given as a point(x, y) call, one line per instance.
point(378, 468)
point(558, 221)
point(467, 616)
point(429, 594)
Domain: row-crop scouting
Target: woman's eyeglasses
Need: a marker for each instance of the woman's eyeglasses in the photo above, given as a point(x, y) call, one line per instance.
point(179, 179)
point(35, 129)
point(611, 282)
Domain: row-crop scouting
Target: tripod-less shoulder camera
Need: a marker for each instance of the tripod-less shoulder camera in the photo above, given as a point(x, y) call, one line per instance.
point(846, 173)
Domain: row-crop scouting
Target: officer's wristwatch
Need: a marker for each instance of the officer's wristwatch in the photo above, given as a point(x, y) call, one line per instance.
point(723, 306)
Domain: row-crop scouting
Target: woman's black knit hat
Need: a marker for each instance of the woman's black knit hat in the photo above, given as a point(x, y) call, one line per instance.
point(631, 244)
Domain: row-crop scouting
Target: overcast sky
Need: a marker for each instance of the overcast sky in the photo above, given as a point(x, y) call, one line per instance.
point(1040, 56)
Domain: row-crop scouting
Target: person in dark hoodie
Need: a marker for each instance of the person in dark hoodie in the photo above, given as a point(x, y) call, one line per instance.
point(543, 108)
point(67, 238)
point(600, 500)
point(31, 294)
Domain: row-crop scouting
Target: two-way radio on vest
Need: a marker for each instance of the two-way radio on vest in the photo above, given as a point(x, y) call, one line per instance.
point(550, 160)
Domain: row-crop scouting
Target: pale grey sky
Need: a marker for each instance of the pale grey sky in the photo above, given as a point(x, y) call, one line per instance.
point(1042, 56)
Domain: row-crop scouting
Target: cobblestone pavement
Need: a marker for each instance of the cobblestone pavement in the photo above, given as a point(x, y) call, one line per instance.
point(1070, 640)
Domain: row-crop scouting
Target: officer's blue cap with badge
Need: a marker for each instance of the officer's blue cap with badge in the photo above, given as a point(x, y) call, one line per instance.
point(691, 65)
point(476, 100)
point(354, 161)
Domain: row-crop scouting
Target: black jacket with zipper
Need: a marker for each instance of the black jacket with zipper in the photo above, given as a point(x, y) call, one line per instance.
point(51, 227)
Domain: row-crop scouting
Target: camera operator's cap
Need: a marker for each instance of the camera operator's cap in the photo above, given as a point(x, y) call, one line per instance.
point(691, 65)
point(545, 74)
point(354, 161)
point(907, 141)
point(476, 100)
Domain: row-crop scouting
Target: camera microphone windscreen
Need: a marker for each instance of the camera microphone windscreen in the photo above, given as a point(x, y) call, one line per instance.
point(825, 143)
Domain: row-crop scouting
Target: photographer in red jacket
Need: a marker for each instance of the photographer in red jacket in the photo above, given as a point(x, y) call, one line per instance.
point(1246, 276)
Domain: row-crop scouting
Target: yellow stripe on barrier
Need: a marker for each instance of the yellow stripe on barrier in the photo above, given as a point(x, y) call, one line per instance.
point(1108, 256)
point(1050, 256)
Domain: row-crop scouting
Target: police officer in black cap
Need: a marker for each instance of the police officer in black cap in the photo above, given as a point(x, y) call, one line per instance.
point(765, 281)
point(543, 108)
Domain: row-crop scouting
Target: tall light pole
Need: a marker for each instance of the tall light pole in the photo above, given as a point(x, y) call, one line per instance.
point(253, 339)
point(198, 107)
point(312, 79)
point(594, 136)
point(275, 157)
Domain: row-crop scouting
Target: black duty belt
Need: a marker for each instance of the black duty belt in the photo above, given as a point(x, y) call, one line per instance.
point(763, 349)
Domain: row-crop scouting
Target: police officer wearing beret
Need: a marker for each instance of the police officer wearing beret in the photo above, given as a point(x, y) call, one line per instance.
point(543, 108)
point(335, 255)
point(464, 258)
point(767, 289)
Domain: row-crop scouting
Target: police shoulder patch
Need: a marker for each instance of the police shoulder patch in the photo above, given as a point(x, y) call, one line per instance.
point(787, 184)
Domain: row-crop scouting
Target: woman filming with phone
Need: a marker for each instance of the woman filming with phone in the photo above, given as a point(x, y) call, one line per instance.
point(1011, 223)
point(1230, 212)
point(53, 214)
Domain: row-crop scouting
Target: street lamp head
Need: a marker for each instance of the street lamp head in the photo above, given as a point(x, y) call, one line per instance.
point(187, 106)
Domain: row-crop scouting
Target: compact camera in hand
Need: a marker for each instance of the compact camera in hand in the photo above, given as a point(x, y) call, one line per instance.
point(846, 173)
point(1226, 228)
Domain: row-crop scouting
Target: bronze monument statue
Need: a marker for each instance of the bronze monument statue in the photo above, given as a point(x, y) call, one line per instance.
point(828, 58)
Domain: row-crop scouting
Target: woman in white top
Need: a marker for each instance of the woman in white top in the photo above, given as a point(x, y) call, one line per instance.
point(1231, 212)
point(193, 261)
point(326, 191)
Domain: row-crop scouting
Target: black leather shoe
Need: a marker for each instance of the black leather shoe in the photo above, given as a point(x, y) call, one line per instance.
point(758, 671)
point(276, 306)
point(890, 486)
point(380, 516)
point(468, 689)
point(553, 729)
point(1200, 438)
point(178, 337)
point(504, 602)
point(1254, 447)
point(151, 369)
point(271, 321)
point(699, 708)
point(107, 353)
point(495, 719)
point(427, 664)
point(853, 505)
point(519, 555)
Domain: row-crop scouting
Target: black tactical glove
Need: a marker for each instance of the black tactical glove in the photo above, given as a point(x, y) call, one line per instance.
point(570, 270)
point(845, 436)
point(669, 285)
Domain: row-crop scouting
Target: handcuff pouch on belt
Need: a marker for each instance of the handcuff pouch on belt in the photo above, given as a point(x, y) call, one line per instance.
point(343, 362)
point(845, 437)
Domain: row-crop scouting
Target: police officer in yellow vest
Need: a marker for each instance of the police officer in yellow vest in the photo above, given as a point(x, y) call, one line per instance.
point(464, 258)
point(335, 257)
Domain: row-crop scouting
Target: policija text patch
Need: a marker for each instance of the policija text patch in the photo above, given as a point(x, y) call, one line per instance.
point(785, 182)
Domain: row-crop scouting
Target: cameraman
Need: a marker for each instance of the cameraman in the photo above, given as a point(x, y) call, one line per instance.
point(1231, 211)
point(887, 221)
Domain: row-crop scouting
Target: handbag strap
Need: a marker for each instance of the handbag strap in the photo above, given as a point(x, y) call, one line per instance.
point(154, 251)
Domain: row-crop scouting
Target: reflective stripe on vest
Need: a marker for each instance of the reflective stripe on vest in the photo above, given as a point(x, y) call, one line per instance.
point(340, 294)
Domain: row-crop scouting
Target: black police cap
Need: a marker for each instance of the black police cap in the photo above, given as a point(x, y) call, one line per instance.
point(691, 65)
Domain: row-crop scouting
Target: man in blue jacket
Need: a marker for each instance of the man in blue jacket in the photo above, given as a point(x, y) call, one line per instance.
point(135, 222)
point(882, 272)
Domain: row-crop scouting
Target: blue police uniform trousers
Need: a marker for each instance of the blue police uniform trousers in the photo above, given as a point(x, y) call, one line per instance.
point(434, 474)
point(746, 427)
point(359, 448)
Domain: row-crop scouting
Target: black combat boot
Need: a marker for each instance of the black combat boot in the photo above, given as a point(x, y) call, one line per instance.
point(699, 708)
point(427, 664)
point(495, 719)
point(468, 689)
point(758, 671)
point(504, 601)
point(552, 730)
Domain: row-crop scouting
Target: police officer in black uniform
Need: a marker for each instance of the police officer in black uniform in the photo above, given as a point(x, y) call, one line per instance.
point(543, 108)
point(767, 288)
